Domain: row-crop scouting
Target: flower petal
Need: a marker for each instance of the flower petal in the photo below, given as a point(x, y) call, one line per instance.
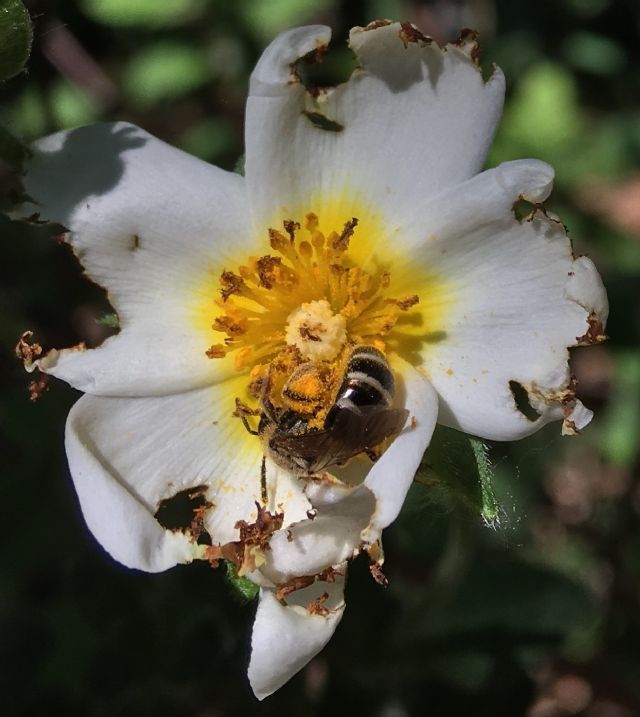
point(331, 537)
point(346, 516)
point(150, 223)
point(286, 637)
point(413, 120)
point(128, 455)
point(391, 477)
point(517, 299)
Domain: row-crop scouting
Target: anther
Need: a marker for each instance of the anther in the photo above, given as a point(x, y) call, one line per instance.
point(341, 242)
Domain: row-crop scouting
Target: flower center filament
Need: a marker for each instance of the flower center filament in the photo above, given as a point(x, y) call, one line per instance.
point(305, 302)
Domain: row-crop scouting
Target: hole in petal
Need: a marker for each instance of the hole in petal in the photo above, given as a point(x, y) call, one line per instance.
point(135, 242)
point(523, 209)
point(325, 67)
point(185, 511)
point(521, 398)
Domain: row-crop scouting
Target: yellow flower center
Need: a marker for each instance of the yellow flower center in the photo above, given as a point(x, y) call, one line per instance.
point(308, 301)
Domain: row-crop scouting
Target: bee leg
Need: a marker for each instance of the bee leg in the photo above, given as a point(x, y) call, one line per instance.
point(242, 411)
point(250, 430)
point(263, 481)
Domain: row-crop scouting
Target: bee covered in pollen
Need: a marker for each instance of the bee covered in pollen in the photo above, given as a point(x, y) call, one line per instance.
point(317, 425)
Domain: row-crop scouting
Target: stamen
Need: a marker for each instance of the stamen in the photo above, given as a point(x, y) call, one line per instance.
point(307, 303)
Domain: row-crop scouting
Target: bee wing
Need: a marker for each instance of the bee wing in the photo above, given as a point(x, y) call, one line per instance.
point(367, 428)
point(315, 450)
point(351, 433)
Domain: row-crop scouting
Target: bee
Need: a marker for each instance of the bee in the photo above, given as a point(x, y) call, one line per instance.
point(359, 420)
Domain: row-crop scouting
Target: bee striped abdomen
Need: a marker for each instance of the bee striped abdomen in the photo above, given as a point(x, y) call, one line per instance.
point(368, 380)
point(359, 420)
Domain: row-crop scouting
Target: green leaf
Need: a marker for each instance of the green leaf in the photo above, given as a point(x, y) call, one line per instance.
point(269, 17)
point(164, 71)
point(244, 588)
point(500, 596)
point(70, 107)
point(15, 37)
point(621, 423)
point(460, 464)
point(208, 139)
point(12, 151)
point(141, 13)
point(594, 53)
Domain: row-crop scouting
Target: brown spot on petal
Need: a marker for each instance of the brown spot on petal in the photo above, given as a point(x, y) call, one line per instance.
point(292, 585)
point(409, 33)
point(260, 531)
point(594, 334)
point(467, 41)
point(328, 575)
point(376, 24)
point(247, 553)
point(316, 607)
point(376, 573)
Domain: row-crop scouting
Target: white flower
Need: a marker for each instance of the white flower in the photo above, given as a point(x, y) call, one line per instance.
point(373, 229)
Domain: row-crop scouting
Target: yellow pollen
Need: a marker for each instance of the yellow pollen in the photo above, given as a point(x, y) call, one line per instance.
point(316, 331)
point(304, 305)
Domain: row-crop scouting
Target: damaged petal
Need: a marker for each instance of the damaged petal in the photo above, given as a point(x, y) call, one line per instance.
point(409, 33)
point(576, 418)
point(292, 585)
point(558, 402)
point(260, 531)
point(317, 606)
point(375, 24)
point(28, 351)
point(376, 573)
point(595, 333)
point(467, 41)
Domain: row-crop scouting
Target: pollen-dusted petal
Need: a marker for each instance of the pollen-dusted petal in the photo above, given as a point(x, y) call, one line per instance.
point(414, 119)
point(286, 637)
point(127, 455)
point(148, 222)
point(499, 362)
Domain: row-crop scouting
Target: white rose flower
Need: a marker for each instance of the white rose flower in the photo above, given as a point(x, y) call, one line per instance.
point(362, 220)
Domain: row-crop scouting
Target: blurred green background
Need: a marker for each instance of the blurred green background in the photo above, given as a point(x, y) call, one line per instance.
point(539, 616)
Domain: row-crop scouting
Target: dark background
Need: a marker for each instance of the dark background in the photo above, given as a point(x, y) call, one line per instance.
point(539, 616)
